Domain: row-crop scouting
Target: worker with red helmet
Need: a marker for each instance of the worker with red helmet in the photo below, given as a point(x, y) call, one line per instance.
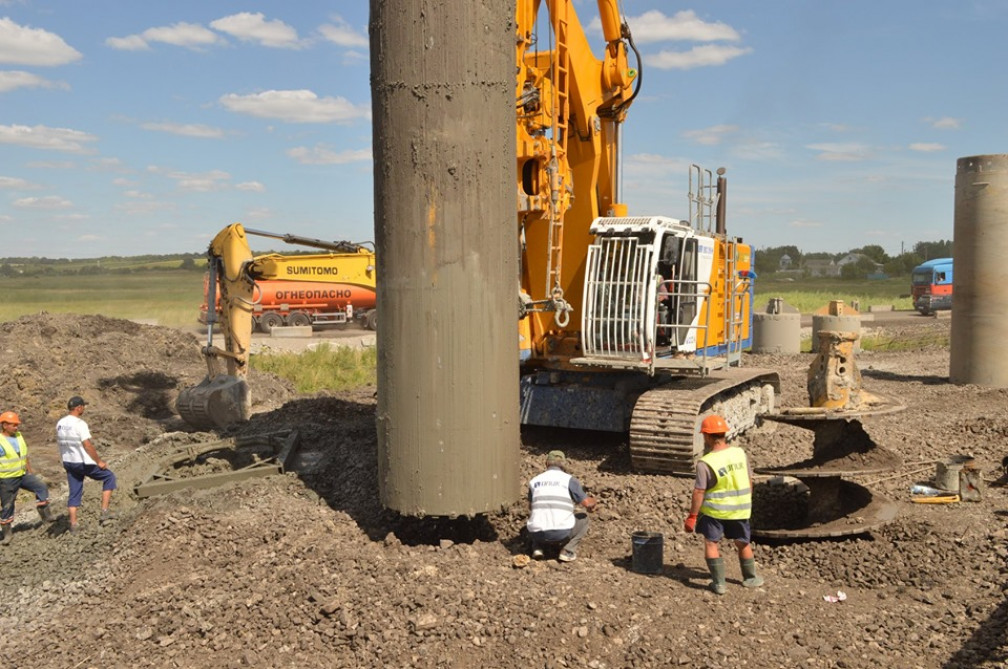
point(16, 474)
point(722, 503)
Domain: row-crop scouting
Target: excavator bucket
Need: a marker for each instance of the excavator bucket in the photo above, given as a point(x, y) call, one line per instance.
point(215, 403)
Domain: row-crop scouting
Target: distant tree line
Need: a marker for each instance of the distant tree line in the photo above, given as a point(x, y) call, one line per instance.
point(34, 266)
point(873, 258)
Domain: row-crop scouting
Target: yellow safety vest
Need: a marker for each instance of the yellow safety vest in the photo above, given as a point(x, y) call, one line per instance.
point(731, 496)
point(13, 465)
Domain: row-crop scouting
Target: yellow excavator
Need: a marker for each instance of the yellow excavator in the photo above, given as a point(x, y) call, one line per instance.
point(238, 278)
point(628, 323)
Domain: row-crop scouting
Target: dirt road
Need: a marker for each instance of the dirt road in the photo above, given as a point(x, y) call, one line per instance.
point(307, 569)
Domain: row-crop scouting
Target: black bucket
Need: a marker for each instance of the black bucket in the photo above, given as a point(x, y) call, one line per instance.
point(647, 552)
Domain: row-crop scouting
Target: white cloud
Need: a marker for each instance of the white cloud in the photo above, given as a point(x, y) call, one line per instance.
point(249, 27)
point(52, 165)
point(12, 79)
point(251, 187)
point(752, 149)
point(206, 182)
point(698, 56)
point(320, 155)
point(144, 207)
point(20, 45)
point(712, 135)
point(186, 129)
point(188, 35)
point(130, 43)
point(342, 33)
point(652, 164)
point(43, 137)
point(835, 127)
point(15, 183)
point(654, 26)
point(836, 152)
point(926, 147)
point(258, 214)
point(300, 106)
point(805, 224)
point(47, 202)
point(945, 123)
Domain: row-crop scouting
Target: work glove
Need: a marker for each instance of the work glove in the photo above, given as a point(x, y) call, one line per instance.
point(689, 525)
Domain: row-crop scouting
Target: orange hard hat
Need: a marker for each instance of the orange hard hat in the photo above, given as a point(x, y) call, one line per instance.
point(10, 417)
point(714, 424)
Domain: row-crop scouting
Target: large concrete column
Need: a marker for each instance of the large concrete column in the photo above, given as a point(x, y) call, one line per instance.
point(979, 298)
point(442, 87)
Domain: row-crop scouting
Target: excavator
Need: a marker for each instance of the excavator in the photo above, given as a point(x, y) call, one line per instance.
point(236, 276)
point(627, 323)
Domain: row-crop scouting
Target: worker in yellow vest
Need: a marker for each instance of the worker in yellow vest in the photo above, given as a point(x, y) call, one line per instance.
point(16, 473)
point(722, 503)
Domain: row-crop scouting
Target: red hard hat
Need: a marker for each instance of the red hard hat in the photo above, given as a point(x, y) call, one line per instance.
point(10, 417)
point(714, 424)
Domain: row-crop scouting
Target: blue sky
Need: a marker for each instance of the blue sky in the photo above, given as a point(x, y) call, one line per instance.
point(132, 127)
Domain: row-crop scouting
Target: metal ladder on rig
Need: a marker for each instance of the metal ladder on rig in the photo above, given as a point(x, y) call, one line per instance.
point(561, 92)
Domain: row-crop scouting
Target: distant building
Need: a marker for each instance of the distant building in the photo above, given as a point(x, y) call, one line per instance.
point(821, 267)
point(785, 262)
point(851, 258)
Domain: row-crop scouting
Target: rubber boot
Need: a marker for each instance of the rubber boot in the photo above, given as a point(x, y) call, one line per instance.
point(45, 513)
point(716, 567)
point(749, 577)
point(7, 529)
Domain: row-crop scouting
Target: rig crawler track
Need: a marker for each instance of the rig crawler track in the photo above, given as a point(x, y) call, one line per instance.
point(664, 426)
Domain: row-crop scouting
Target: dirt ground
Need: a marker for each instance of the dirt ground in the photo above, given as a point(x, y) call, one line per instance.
point(306, 568)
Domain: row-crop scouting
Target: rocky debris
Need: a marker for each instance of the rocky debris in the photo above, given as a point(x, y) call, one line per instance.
point(307, 569)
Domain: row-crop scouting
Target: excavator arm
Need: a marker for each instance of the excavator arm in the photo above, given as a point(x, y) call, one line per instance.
point(223, 397)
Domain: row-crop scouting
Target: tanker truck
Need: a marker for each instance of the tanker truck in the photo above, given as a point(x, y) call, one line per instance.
point(317, 289)
point(291, 287)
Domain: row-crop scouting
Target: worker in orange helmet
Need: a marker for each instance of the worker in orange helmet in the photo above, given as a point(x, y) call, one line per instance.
point(16, 473)
point(722, 503)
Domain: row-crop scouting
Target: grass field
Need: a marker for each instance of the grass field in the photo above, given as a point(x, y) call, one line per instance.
point(808, 295)
point(163, 297)
point(173, 297)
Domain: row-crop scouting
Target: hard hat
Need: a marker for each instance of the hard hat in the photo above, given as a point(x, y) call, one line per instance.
point(10, 417)
point(714, 424)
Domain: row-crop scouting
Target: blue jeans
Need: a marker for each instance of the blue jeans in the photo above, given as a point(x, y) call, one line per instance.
point(9, 491)
point(76, 471)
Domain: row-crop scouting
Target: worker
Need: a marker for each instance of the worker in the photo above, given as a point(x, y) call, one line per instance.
point(80, 459)
point(722, 503)
point(16, 473)
point(554, 518)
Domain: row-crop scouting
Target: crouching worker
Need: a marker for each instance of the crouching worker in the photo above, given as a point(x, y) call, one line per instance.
point(16, 474)
point(553, 518)
point(722, 503)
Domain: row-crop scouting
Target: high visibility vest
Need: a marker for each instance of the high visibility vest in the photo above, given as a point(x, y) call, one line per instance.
point(552, 506)
point(731, 496)
point(13, 465)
